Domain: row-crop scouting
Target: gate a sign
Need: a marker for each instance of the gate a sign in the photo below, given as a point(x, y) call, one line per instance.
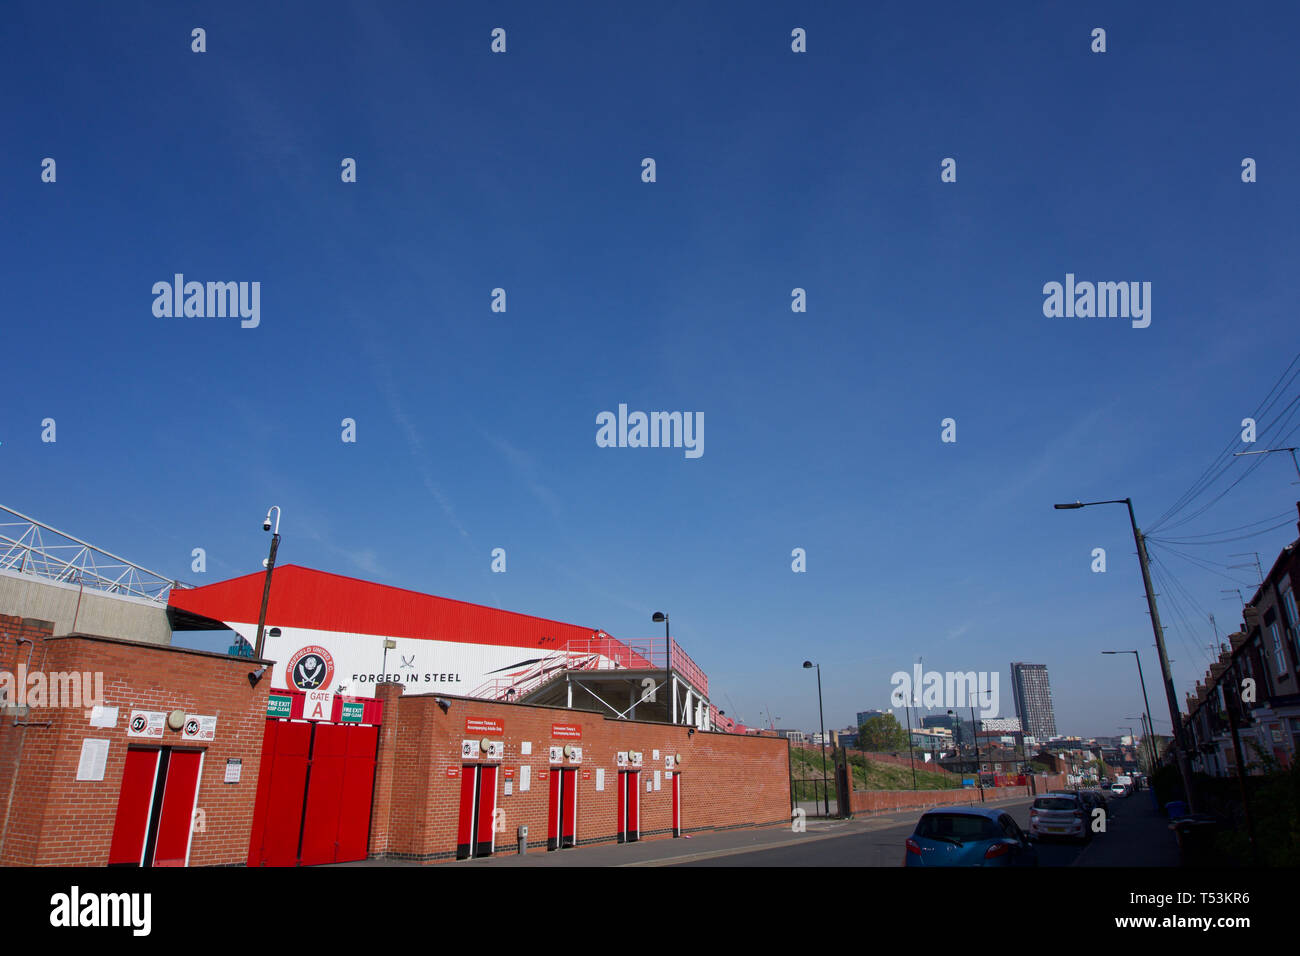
point(318, 705)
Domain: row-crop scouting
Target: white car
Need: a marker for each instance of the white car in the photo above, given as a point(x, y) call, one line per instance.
point(1058, 814)
point(1119, 790)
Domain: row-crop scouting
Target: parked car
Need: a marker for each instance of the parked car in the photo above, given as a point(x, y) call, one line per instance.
point(1093, 799)
point(1119, 790)
point(1059, 815)
point(969, 836)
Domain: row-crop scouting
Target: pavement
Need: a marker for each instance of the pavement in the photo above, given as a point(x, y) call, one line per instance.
point(1137, 834)
point(716, 844)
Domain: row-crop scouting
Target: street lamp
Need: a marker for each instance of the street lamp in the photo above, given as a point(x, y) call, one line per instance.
point(1146, 702)
point(826, 787)
point(1184, 768)
point(270, 565)
point(660, 616)
point(1269, 451)
point(975, 732)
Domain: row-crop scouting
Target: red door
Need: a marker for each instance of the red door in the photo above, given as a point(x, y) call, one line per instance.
point(314, 794)
point(134, 806)
point(336, 817)
point(633, 805)
point(554, 814)
point(562, 820)
point(281, 786)
point(468, 812)
point(568, 807)
point(324, 803)
point(487, 805)
point(677, 804)
point(358, 794)
point(155, 807)
point(176, 819)
point(629, 805)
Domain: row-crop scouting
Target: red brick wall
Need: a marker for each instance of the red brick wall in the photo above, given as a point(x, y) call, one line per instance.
point(55, 820)
point(866, 802)
point(1047, 782)
point(14, 742)
point(727, 780)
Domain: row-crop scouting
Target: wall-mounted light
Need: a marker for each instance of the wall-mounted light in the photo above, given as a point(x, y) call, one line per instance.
point(176, 720)
point(677, 759)
point(255, 676)
point(568, 750)
point(484, 744)
point(444, 704)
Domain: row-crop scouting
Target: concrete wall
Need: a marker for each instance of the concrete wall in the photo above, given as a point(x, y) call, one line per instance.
point(72, 608)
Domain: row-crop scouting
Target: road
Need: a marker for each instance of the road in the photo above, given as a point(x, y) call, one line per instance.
point(884, 846)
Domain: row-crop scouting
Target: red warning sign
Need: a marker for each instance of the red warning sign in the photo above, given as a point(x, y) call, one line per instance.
point(485, 725)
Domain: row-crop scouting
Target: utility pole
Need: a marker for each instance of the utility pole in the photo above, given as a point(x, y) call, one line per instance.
point(1171, 696)
point(1232, 704)
point(1180, 732)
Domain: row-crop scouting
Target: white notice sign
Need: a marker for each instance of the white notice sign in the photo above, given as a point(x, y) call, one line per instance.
point(94, 756)
point(600, 778)
point(101, 716)
point(525, 777)
point(234, 768)
point(199, 727)
point(658, 783)
point(146, 723)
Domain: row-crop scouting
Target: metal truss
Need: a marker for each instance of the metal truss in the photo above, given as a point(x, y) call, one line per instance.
point(29, 547)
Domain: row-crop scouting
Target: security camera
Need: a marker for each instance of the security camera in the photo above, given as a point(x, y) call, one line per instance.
point(266, 523)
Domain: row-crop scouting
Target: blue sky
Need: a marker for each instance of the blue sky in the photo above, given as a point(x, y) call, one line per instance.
point(775, 170)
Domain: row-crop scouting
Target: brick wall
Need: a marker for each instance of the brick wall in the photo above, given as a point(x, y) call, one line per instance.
point(1047, 782)
point(54, 819)
point(727, 780)
point(866, 802)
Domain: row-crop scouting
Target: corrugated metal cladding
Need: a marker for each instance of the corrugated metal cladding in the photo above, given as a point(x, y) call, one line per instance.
point(303, 597)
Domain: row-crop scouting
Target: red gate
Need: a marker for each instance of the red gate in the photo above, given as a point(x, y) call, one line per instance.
point(316, 783)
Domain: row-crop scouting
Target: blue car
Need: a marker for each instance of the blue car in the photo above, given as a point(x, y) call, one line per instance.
point(969, 836)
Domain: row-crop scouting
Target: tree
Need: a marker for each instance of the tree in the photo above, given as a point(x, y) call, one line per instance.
point(882, 732)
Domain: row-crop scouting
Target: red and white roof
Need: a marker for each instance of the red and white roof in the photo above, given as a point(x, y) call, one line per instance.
point(335, 627)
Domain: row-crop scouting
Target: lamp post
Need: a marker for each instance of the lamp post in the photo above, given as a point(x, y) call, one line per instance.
point(1145, 702)
point(1180, 745)
point(270, 566)
point(826, 787)
point(1269, 451)
point(668, 662)
point(975, 732)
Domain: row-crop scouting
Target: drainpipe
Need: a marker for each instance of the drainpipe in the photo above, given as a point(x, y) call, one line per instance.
point(22, 741)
